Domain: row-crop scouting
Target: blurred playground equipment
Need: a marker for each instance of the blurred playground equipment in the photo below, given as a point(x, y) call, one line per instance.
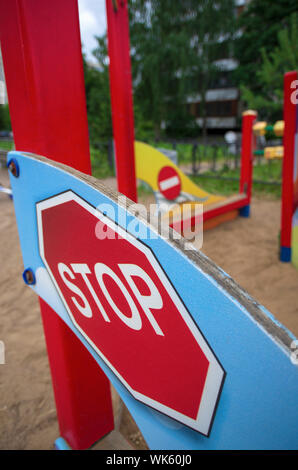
point(262, 129)
point(289, 200)
point(172, 188)
point(288, 152)
point(274, 152)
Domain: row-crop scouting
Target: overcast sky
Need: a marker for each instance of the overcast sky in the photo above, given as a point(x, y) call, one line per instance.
point(92, 22)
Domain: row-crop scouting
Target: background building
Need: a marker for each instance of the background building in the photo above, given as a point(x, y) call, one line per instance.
point(222, 100)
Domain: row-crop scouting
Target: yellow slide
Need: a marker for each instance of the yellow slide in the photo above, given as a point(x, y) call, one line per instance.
point(167, 181)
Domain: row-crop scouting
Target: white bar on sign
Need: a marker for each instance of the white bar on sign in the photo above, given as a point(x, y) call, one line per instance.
point(169, 183)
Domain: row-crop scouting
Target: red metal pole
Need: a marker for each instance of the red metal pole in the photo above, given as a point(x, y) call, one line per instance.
point(247, 148)
point(287, 199)
point(41, 49)
point(121, 96)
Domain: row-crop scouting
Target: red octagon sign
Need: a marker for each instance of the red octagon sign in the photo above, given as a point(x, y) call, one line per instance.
point(121, 300)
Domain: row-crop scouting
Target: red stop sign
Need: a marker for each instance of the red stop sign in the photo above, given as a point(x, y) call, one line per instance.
point(169, 182)
point(120, 299)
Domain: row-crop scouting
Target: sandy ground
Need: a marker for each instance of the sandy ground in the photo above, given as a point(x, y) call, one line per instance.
point(245, 248)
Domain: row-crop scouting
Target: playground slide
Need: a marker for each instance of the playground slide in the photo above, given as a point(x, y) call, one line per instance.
point(169, 184)
point(175, 192)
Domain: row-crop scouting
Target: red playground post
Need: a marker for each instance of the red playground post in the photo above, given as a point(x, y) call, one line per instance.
point(247, 148)
point(121, 96)
point(41, 49)
point(289, 181)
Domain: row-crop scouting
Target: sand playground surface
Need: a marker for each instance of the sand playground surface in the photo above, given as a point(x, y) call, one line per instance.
point(247, 249)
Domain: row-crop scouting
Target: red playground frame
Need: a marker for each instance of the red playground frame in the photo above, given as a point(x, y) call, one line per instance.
point(289, 201)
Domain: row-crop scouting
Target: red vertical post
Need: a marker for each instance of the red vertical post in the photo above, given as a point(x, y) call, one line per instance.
point(41, 50)
point(287, 199)
point(247, 148)
point(121, 96)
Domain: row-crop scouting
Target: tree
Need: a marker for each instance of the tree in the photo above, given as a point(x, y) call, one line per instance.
point(174, 46)
point(211, 26)
point(97, 87)
point(283, 58)
point(98, 94)
point(260, 24)
point(5, 123)
point(157, 45)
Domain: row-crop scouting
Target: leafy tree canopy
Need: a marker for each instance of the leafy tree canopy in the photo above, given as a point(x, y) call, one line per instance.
point(174, 46)
point(98, 94)
point(5, 123)
point(268, 100)
point(260, 23)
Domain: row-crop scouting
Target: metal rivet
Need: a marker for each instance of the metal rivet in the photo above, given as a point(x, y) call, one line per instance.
point(29, 277)
point(13, 167)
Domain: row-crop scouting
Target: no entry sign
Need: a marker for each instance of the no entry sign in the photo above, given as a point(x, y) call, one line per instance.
point(169, 182)
point(122, 302)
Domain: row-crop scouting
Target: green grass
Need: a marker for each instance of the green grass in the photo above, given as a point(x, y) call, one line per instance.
point(99, 164)
point(268, 172)
point(184, 150)
point(216, 186)
point(6, 144)
point(205, 152)
point(144, 190)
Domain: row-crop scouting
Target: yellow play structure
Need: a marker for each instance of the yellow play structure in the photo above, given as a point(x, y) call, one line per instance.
point(261, 128)
point(150, 162)
point(173, 189)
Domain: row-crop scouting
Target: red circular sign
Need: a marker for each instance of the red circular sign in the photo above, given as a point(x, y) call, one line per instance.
point(169, 182)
